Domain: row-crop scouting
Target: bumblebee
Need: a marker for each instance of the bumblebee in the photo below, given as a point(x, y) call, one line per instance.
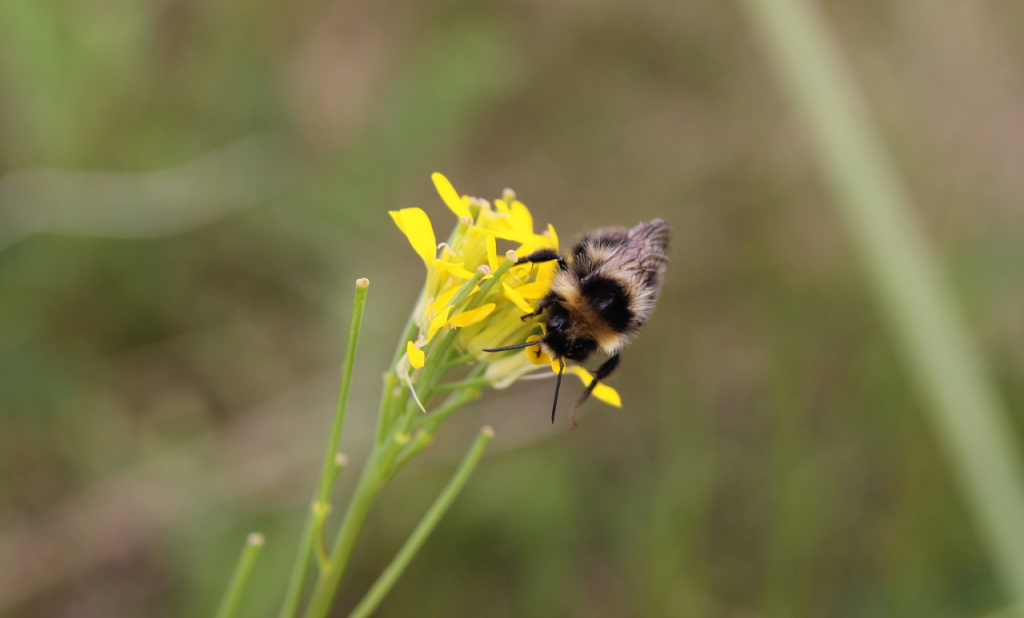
point(603, 293)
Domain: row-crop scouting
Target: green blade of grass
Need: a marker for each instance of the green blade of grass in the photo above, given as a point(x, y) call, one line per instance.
point(233, 595)
point(332, 464)
point(387, 579)
point(967, 415)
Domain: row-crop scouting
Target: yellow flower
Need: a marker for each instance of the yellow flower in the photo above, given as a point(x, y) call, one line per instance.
point(416, 356)
point(536, 354)
point(450, 196)
point(602, 391)
point(415, 224)
point(462, 311)
point(468, 318)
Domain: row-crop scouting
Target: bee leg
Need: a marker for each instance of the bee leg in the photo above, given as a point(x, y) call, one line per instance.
point(605, 370)
point(544, 255)
point(544, 303)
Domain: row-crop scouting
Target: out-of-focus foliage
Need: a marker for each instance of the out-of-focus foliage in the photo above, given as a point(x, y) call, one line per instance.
point(188, 189)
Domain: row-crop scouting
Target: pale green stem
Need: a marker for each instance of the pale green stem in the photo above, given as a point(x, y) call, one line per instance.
point(458, 399)
point(454, 386)
point(465, 290)
point(233, 595)
point(460, 360)
point(330, 469)
point(324, 491)
point(420, 441)
point(485, 289)
point(419, 536)
point(370, 484)
point(389, 403)
point(964, 407)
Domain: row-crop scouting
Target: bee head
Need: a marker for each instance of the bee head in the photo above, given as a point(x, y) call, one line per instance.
point(563, 345)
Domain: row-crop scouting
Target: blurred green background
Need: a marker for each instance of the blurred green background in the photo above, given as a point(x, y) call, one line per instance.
point(188, 190)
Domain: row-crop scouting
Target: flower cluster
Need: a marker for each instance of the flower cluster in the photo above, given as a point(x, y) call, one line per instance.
point(474, 297)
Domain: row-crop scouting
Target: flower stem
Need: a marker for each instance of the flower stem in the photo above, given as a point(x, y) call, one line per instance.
point(324, 491)
point(430, 520)
point(485, 289)
point(454, 386)
point(370, 484)
point(233, 595)
point(331, 464)
point(456, 400)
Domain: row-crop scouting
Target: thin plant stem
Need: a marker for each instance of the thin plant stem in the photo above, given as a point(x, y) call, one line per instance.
point(454, 386)
point(963, 405)
point(358, 305)
point(420, 441)
point(321, 502)
point(460, 360)
point(453, 403)
point(490, 283)
point(236, 588)
point(466, 288)
point(369, 486)
point(426, 526)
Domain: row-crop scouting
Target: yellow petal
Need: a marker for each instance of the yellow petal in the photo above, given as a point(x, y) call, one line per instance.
point(454, 269)
point(536, 353)
point(546, 273)
point(602, 391)
point(501, 207)
point(415, 224)
point(492, 253)
point(416, 356)
point(608, 395)
point(500, 227)
point(439, 320)
point(449, 195)
point(517, 298)
point(543, 240)
point(519, 272)
point(445, 298)
point(520, 218)
point(472, 317)
point(553, 235)
point(524, 250)
point(533, 291)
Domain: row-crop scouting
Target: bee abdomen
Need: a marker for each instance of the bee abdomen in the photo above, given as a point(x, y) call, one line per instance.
point(607, 298)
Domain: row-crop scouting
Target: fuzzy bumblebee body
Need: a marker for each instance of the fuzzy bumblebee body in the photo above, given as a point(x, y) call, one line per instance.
point(603, 293)
point(606, 290)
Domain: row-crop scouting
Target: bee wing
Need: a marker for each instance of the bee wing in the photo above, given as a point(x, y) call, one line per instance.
point(644, 255)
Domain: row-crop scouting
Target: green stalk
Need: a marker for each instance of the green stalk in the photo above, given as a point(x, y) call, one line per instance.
point(330, 469)
point(324, 491)
point(455, 401)
point(370, 484)
point(233, 595)
point(420, 440)
point(466, 288)
point(454, 386)
point(430, 520)
point(964, 407)
point(488, 285)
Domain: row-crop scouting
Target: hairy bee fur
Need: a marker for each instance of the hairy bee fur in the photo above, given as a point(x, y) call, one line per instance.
point(603, 293)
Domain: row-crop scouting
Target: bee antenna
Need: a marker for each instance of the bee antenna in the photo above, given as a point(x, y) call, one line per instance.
point(514, 347)
point(558, 385)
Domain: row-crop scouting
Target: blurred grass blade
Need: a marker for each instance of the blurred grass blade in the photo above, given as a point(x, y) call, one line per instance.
point(233, 595)
point(215, 185)
point(332, 464)
point(964, 409)
point(387, 579)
